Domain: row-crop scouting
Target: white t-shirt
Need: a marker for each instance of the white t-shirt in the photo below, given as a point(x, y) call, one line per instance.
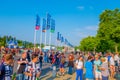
point(112, 61)
point(79, 64)
point(116, 58)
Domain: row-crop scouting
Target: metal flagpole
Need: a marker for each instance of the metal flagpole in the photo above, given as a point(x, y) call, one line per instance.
point(41, 38)
point(45, 37)
point(50, 38)
point(34, 40)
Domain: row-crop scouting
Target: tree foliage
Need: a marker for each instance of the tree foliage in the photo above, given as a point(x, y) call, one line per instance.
point(108, 33)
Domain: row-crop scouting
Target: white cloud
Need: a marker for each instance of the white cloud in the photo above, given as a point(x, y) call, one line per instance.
point(82, 32)
point(81, 7)
point(91, 28)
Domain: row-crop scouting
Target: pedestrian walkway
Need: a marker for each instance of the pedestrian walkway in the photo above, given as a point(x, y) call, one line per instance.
point(66, 77)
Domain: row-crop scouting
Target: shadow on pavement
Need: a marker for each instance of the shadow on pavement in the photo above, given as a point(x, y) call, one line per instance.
point(45, 71)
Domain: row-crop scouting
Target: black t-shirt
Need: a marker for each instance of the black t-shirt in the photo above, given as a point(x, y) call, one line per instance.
point(22, 66)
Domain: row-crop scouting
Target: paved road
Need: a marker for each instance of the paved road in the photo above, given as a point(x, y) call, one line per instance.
point(47, 72)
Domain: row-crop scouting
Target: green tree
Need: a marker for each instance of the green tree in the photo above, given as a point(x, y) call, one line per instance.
point(109, 28)
point(88, 44)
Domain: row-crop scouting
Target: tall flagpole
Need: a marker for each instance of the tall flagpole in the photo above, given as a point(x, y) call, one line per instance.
point(45, 37)
point(34, 40)
point(50, 38)
point(41, 38)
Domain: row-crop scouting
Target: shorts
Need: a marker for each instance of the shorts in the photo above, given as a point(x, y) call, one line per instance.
point(98, 75)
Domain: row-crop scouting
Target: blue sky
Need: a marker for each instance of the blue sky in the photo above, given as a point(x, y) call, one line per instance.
point(75, 19)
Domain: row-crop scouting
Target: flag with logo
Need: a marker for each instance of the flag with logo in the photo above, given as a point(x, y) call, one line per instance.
point(37, 27)
point(62, 39)
point(58, 36)
point(52, 26)
point(44, 25)
point(48, 20)
point(66, 41)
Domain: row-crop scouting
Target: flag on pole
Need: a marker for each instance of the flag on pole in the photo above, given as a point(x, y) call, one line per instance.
point(66, 41)
point(58, 35)
point(37, 27)
point(52, 26)
point(62, 39)
point(44, 25)
point(48, 20)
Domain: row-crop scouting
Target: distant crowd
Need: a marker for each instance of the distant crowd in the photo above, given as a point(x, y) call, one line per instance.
point(87, 66)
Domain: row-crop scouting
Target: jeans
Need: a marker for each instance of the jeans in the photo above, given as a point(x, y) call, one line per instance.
point(45, 59)
point(54, 71)
point(79, 73)
point(20, 77)
point(104, 78)
point(41, 65)
point(70, 70)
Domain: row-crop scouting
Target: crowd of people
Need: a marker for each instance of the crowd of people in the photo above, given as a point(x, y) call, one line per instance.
point(87, 66)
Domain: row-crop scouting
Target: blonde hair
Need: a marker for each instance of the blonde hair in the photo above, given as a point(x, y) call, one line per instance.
point(8, 57)
point(103, 59)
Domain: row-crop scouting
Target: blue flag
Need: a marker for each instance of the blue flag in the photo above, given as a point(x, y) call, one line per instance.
point(37, 27)
point(62, 39)
point(58, 34)
point(48, 20)
point(66, 41)
point(44, 25)
point(52, 26)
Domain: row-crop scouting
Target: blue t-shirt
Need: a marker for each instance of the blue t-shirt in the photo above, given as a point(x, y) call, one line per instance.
point(89, 70)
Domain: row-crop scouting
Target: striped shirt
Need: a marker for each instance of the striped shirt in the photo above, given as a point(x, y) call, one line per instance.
point(7, 71)
point(32, 68)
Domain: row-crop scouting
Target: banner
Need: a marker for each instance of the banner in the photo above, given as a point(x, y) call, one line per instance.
point(66, 41)
point(52, 26)
point(58, 36)
point(44, 25)
point(48, 20)
point(37, 22)
point(62, 39)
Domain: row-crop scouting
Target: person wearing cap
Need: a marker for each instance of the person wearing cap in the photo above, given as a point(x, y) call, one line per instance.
point(104, 69)
point(97, 64)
